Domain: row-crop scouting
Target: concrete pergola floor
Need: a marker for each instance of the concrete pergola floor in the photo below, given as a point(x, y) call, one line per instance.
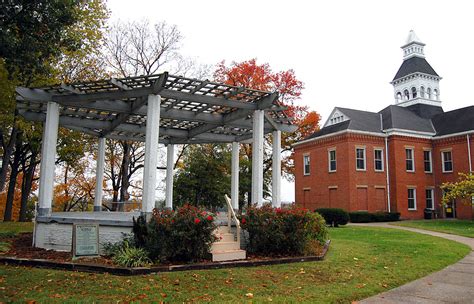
point(453, 284)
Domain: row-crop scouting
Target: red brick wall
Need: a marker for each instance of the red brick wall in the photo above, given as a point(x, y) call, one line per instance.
point(401, 180)
point(355, 190)
point(459, 147)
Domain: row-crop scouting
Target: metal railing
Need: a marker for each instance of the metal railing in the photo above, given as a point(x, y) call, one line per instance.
point(231, 215)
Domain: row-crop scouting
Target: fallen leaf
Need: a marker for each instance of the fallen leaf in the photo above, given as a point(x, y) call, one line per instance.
point(249, 295)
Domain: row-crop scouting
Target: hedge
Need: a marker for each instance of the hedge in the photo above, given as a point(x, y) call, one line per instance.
point(334, 216)
point(366, 217)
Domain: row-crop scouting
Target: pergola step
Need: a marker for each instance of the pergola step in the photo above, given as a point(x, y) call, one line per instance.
point(225, 237)
point(228, 255)
point(223, 246)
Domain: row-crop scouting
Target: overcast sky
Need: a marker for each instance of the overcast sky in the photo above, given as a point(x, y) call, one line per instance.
point(346, 52)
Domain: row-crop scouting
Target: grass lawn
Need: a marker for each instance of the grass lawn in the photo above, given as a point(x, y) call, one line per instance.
point(10, 229)
point(459, 227)
point(362, 261)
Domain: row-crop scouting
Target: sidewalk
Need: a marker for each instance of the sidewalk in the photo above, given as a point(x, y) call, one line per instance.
point(454, 284)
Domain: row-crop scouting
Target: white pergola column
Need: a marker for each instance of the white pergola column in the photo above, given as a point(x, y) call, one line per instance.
point(234, 178)
point(99, 175)
point(151, 153)
point(169, 176)
point(257, 157)
point(48, 156)
point(276, 169)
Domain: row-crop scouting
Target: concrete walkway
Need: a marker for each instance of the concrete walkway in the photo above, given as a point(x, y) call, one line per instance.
point(453, 284)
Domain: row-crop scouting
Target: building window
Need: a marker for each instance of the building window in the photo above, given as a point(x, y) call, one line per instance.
point(429, 199)
point(422, 92)
point(332, 160)
point(447, 161)
point(378, 159)
point(427, 161)
point(413, 92)
point(360, 159)
point(410, 162)
point(411, 199)
point(406, 95)
point(306, 164)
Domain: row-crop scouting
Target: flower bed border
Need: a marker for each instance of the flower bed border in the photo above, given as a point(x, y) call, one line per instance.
point(94, 268)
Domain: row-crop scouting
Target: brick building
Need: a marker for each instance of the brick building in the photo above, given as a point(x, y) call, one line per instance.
point(391, 160)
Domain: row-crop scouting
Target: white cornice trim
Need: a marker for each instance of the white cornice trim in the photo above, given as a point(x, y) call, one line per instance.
point(454, 134)
point(339, 133)
point(416, 73)
point(430, 102)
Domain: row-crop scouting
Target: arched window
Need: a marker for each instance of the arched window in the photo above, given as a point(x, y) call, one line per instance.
point(399, 97)
point(413, 92)
point(435, 94)
point(429, 93)
point(422, 92)
point(406, 95)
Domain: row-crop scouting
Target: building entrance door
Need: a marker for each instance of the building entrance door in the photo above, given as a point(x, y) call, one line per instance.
point(450, 209)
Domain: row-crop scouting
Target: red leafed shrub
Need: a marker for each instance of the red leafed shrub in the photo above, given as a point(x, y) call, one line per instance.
point(185, 234)
point(278, 231)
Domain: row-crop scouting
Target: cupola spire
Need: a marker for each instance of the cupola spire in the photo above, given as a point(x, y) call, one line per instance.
point(413, 46)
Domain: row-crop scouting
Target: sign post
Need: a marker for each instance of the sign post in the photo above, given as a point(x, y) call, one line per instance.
point(85, 240)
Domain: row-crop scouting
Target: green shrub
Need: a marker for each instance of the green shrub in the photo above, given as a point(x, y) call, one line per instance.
point(334, 216)
point(360, 217)
point(276, 231)
point(366, 217)
point(182, 235)
point(129, 256)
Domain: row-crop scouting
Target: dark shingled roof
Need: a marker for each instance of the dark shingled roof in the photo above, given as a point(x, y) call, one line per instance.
point(419, 118)
point(396, 117)
point(415, 65)
point(330, 129)
point(425, 111)
point(455, 121)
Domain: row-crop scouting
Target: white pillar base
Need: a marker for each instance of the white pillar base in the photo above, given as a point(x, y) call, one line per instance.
point(48, 157)
point(276, 169)
point(257, 158)
point(99, 175)
point(234, 188)
point(169, 176)
point(151, 153)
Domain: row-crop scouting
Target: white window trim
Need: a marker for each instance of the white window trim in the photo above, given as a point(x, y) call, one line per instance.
point(383, 164)
point(365, 158)
point(414, 198)
point(304, 165)
point(412, 159)
point(432, 198)
point(442, 161)
point(329, 159)
point(431, 161)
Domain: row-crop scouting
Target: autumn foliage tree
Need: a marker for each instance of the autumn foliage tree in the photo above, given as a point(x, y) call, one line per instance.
point(463, 189)
point(252, 75)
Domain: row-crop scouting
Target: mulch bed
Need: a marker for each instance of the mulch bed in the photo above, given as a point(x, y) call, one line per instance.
point(23, 254)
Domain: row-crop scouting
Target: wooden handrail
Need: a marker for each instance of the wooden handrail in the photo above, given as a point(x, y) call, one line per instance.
point(231, 214)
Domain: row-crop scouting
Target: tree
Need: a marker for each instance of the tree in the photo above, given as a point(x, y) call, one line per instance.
point(35, 36)
point(261, 77)
point(463, 189)
point(203, 176)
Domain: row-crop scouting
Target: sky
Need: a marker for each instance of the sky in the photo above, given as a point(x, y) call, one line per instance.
point(346, 52)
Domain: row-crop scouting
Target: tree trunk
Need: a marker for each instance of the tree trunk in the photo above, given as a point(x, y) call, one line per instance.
point(12, 183)
point(7, 152)
point(124, 170)
point(26, 185)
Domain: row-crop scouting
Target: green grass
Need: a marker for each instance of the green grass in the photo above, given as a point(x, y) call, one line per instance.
point(12, 228)
point(459, 227)
point(362, 261)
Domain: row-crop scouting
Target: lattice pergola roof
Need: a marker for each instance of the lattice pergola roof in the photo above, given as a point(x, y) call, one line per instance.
point(192, 110)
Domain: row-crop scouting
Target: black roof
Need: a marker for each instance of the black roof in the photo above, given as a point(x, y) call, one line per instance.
point(396, 117)
point(415, 65)
point(456, 121)
point(419, 118)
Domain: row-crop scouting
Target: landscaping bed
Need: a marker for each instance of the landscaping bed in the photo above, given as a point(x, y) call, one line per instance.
point(21, 253)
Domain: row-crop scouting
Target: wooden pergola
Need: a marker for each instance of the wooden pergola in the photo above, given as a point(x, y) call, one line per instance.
point(156, 109)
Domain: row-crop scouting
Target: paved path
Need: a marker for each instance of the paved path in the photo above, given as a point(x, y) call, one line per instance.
point(453, 284)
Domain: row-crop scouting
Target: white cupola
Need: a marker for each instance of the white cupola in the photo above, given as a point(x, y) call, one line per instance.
point(416, 81)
